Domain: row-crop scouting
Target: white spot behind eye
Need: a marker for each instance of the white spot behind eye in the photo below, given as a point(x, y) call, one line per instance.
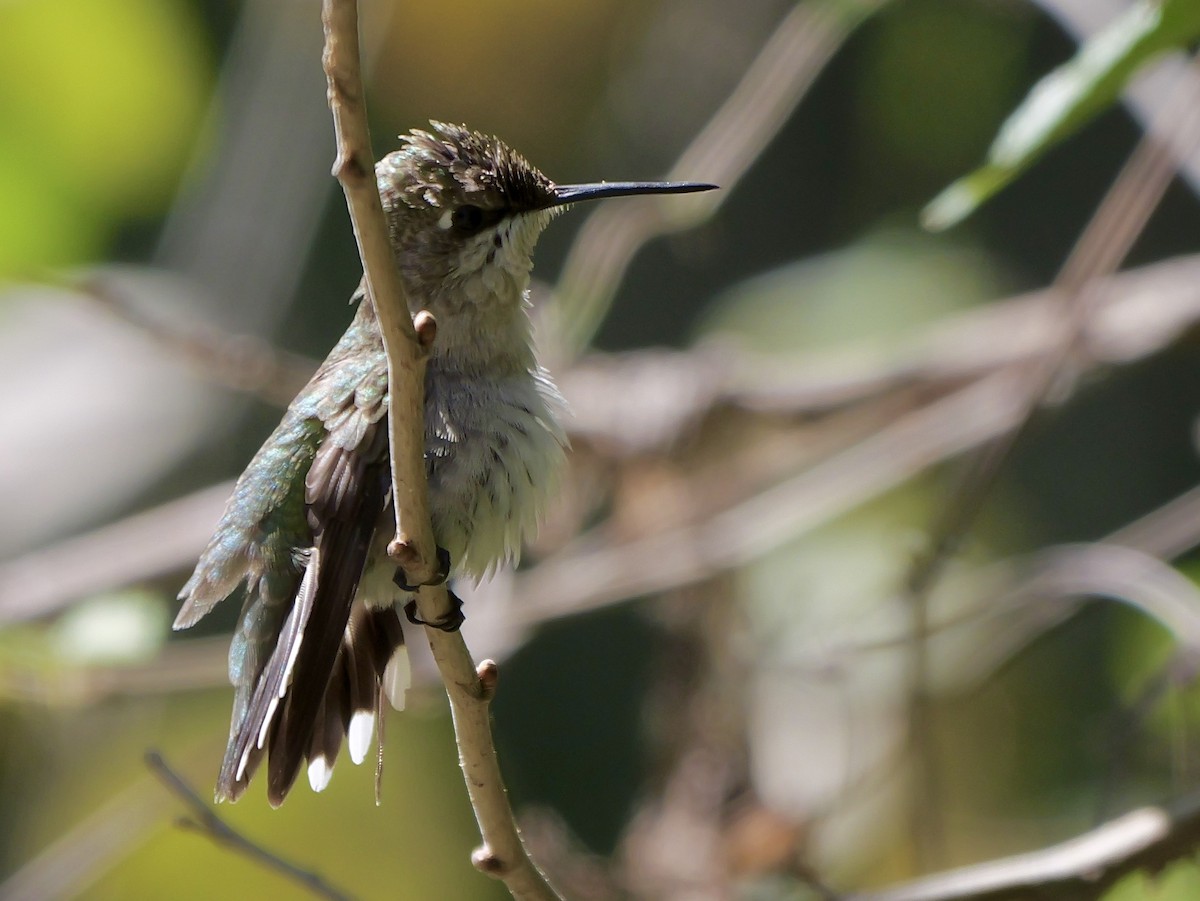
point(446, 220)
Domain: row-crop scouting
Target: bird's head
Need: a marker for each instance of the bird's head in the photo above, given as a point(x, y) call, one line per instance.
point(465, 211)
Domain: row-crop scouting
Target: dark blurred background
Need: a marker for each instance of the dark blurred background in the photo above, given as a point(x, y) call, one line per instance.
point(726, 737)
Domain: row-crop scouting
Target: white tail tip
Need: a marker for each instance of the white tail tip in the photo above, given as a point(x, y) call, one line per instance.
point(362, 727)
point(319, 774)
point(397, 678)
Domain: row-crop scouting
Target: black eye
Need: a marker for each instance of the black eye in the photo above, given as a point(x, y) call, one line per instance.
point(467, 218)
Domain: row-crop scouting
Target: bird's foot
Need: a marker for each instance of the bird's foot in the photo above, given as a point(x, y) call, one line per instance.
point(443, 572)
point(453, 619)
point(451, 622)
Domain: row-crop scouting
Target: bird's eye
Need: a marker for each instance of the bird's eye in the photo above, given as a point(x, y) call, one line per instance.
point(468, 218)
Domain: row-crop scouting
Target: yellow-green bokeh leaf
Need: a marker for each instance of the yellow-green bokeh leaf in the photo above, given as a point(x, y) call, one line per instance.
point(100, 104)
point(40, 226)
point(1178, 881)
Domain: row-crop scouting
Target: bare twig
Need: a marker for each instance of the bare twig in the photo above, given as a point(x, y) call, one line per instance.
point(502, 854)
point(354, 168)
point(1082, 868)
point(143, 546)
point(203, 820)
point(245, 226)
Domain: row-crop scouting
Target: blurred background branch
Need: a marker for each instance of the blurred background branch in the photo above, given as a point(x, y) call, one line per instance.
point(204, 821)
point(1084, 867)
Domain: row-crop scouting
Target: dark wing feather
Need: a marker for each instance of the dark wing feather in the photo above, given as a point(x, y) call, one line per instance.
point(248, 742)
point(346, 500)
point(292, 542)
point(373, 639)
point(345, 495)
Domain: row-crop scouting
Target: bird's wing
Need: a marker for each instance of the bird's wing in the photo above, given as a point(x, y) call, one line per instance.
point(307, 663)
point(254, 554)
point(324, 673)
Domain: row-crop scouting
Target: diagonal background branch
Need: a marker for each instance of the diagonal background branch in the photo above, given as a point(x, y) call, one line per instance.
point(724, 150)
point(1141, 312)
point(1082, 868)
point(203, 820)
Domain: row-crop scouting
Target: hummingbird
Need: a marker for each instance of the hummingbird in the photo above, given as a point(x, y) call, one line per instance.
point(302, 543)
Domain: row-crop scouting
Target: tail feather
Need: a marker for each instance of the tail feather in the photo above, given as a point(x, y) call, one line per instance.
point(288, 701)
point(395, 676)
point(363, 683)
point(334, 656)
point(373, 639)
point(254, 719)
point(317, 656)
point(327, 738)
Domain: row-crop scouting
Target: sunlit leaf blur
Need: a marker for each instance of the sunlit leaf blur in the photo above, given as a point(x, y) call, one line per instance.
point(1069, 97)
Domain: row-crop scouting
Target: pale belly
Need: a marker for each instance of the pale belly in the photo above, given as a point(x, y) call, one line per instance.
point(493, 453)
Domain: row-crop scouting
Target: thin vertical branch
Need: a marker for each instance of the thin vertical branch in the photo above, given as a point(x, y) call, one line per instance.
point(407, 342)
point(354, 168)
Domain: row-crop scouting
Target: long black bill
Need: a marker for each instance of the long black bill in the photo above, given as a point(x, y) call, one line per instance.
point(574, 193)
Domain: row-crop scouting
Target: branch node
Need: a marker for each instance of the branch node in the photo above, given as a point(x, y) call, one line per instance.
point(426, 329)
point(404, 553)
point(348, 167)
point(487, 862)
point(489, 674)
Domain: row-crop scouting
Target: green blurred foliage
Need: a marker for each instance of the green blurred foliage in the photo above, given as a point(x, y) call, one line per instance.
point(117, 627)
point(1179, 882)
point(101, 102)
point(52, 664)
point(935, 79)
point(1150, 673)
point(889, 281)
point(1069, 97)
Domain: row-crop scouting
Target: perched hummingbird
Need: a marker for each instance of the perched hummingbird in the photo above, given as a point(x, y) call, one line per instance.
point(303, 540)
